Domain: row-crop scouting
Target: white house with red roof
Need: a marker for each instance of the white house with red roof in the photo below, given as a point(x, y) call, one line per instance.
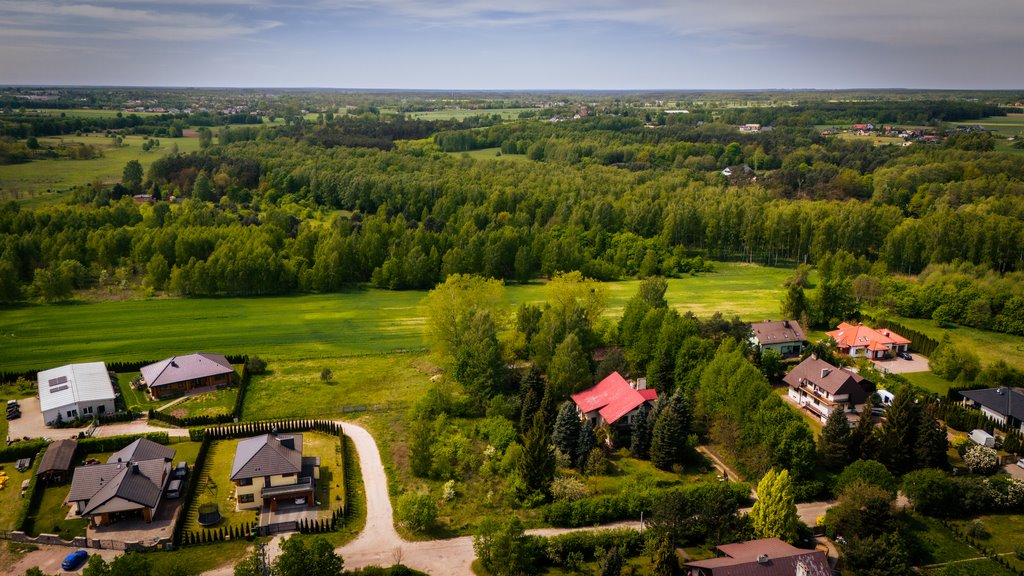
point(614, 401)
point(864, 341)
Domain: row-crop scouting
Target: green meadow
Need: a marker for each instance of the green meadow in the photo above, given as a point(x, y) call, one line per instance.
point(316, 326)
point(462, 113)
point(40, 181)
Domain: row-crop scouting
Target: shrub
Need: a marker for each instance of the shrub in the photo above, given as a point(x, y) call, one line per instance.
point(981, 460)
point(978, 531)
point(868, 471)
point(256, 365)
point(568, 489)
point(418, 512)
point(448, 491)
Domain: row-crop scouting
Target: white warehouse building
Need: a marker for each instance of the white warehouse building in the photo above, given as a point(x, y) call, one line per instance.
point(75, 391)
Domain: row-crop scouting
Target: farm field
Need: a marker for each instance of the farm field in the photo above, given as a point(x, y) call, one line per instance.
point(461, 113)
point(39, 181)
point(309, 327)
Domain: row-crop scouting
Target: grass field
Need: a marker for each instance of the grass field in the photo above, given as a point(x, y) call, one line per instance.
point(40, 181)
point(1002, 127)
point(989, 346)
point(10, 496)
point(209, 404)
point(1006, 531)
point(929, 381)
point(311, 327)
point(490, 154)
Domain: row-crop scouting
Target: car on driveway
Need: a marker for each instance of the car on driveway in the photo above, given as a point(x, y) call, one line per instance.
point(1020, 463)
point(905, 355)
point(74, 560)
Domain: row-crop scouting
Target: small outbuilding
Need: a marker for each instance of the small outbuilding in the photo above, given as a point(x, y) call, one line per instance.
point(55, 466)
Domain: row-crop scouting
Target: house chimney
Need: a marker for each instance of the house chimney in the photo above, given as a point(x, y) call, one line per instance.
point(762, 559)
point(641, 383)
point(785, 323)
point(135, 468)
point(824, 372)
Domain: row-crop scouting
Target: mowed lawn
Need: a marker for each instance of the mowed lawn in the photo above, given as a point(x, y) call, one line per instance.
point(989, 346)
point(310, 327)
point(40, 180)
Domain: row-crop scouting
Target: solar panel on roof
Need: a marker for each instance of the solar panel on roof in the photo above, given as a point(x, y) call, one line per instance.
point(58, 389)
point(58, 381)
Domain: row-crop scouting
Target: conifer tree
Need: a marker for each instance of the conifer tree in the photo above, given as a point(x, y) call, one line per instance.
point(834, 442)
point(536, 469)
point(587, 442)
point(640, 437)
point(900, 433)
point(566, 434)
point(666, 563)
point(863, 437)
point(670, 443)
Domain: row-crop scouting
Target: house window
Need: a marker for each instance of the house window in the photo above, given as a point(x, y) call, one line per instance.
point(73, 413)
point(246, 498)
point(290, 475)
point(245, 482)
point(87, 410)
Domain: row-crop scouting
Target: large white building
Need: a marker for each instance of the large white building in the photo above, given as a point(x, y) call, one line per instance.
point(75, 391)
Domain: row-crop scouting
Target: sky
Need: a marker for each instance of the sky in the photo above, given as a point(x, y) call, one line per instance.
point(515, 45)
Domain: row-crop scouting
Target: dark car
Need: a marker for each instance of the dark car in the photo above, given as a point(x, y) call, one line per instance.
point(74, 560)
point(180, 471)
point(905, 355)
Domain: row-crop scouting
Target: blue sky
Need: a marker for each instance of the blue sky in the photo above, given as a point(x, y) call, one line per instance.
point(528, 44)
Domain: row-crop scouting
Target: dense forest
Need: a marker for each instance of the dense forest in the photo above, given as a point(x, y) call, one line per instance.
point(928, 229)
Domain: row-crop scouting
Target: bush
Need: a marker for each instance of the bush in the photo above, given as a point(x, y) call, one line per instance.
point(981, 460)
point(566, 549)
point(868, 471)
point(977, 530)
point(256, 365)
point(568, 489)
point(418, 512)
point(930, 491)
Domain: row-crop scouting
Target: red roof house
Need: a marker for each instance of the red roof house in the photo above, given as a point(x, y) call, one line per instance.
point(612, 399)
point(861, 340)
point(765, 557)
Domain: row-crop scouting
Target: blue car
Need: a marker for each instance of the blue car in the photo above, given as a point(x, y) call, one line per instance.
point(74, 560)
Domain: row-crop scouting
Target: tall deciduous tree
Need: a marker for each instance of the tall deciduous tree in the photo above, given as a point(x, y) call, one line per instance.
point(774, 513)
point(452, 303)
point(131, 176)
point(478, 363)
point(569, 371)
point(317, 559)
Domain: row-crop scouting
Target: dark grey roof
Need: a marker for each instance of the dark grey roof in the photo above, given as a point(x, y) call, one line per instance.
point(267, 455)
point(777, 331)
point(119, 486)
point(58, 456)
point(836, 380)
point(1008, 400)
point(142, 449)
point(184, 368)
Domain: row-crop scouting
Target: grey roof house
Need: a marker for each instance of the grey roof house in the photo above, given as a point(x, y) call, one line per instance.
point(999, 404)
point(784, 336)
point(820, 388)
point(179, 375)
point(129, 485)
point(271, 468)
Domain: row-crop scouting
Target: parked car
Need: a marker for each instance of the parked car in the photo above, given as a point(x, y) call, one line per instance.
point(1020, 462)
point(905, 355)
point(180, 471)
point(174, 489)
point(74, 560)
point(300, 500)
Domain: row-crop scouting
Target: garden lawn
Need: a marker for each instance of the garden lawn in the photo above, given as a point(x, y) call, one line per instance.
point(929, 381)
point(293, 388)
point(1007, 532)
point(214, 486)
point(10, 497)
point(315, 326)
point(940, 544)
point(50, 516)
point(208, 404)
point(813, 422)
point(134, 400)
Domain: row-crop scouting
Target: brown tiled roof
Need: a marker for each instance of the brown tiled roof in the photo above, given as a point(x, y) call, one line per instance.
point(119, 486)
point(765, 557)
point(836, 381)
point(778, 331)
point(58, 456)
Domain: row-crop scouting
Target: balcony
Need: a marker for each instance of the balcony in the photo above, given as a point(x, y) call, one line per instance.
point(303, 486)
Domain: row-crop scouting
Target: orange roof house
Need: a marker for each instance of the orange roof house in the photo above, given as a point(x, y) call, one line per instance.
point(612, 399)
point(861, 340)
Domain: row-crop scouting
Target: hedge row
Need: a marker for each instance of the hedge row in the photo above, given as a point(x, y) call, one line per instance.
point(629, 542)
point(245, 429)
point(115, 443)
point(919, 341)
point(625, 505)
point(209, 535)
point(204, 420)
point(190, 489)
point(22, 449)
point(964, 419)
point(118, 417)
point(34, 496)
